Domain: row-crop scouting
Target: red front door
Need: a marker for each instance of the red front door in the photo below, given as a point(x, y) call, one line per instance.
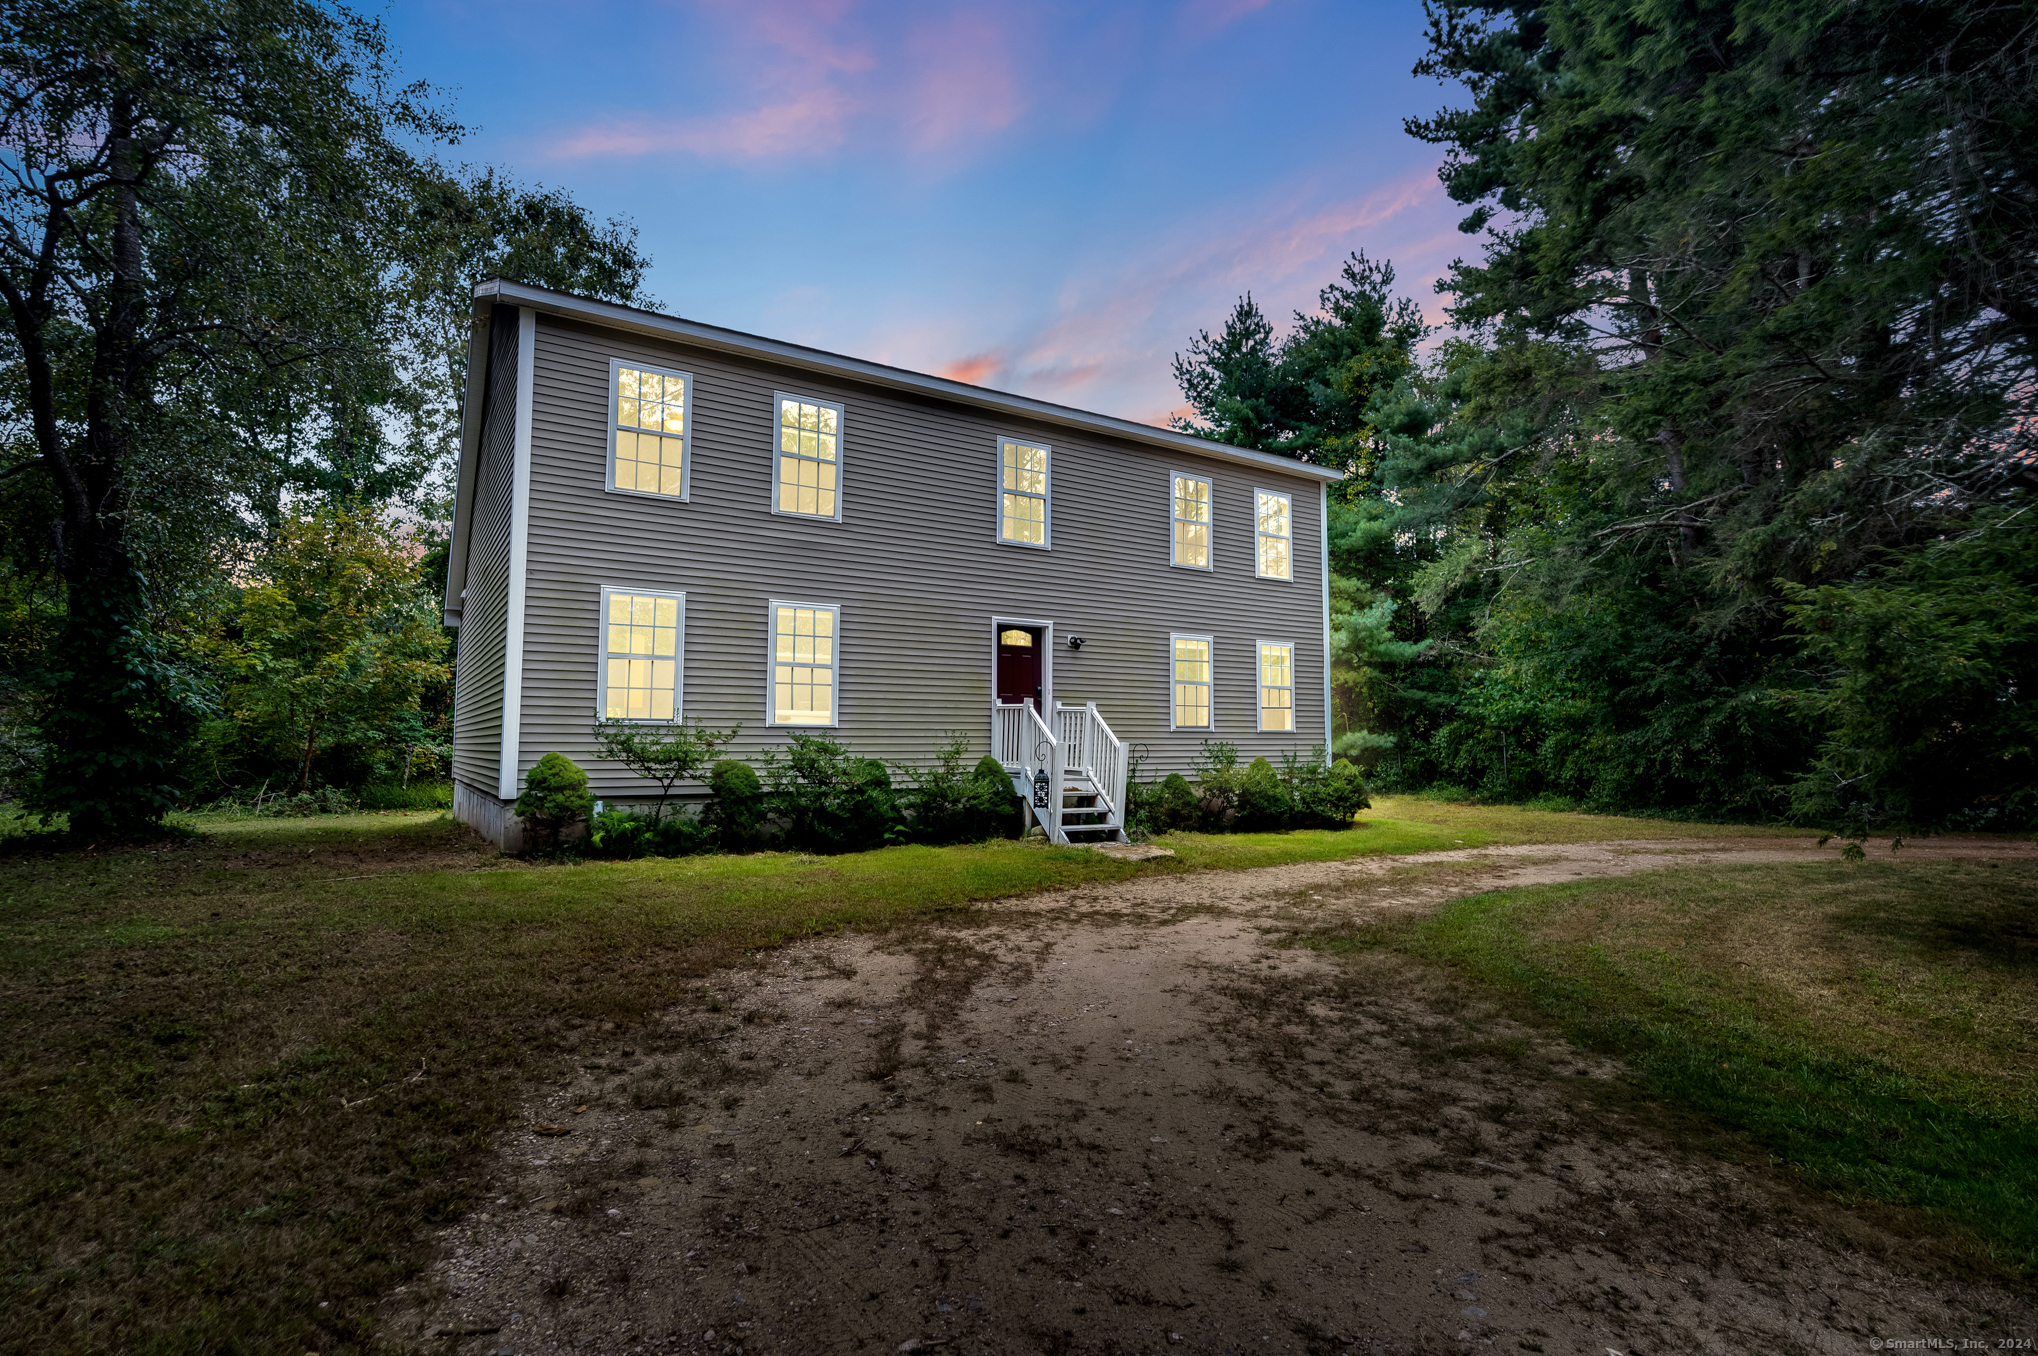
point(1019, 665)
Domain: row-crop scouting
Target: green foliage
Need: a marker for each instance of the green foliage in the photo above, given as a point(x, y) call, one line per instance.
point(113, 766)
point(1925, 695)
point(1307, 393)
point(618, 833)
point(829, 799)
point(555, 796)
point(1325, 797)
point(662, 753)
point(1265, 802)
point(736, 807)
point(948, 806)
point(332, 646)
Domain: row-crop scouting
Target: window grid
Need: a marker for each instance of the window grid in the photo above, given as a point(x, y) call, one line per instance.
point(649, 431)
point(1022, 492)
point(1274, 528)
point(1191, 675)
point(1192, 522)
point(804, 662)
point(809, 458)
point(641, 634)
point(1277, 686)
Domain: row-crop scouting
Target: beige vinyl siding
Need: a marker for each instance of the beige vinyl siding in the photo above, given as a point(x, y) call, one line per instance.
point(484, 616)
point(911, 564)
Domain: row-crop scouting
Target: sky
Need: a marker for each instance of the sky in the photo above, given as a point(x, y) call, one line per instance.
point(1044, 198)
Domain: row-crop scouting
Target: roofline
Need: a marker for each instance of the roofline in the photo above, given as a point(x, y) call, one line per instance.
point(878, 374)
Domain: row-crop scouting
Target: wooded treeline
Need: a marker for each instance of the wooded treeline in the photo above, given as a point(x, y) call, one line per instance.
point(1715, 498)
point(237, 279)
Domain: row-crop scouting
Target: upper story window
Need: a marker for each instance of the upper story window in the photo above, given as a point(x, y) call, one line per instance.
point(641, 643)
point(1192, 522)
point(805, 658)
point(809, 458)
point(648, 430)
point(1022, 492)
point(1277, 686)
point(1274, 513)
point(1192, 681)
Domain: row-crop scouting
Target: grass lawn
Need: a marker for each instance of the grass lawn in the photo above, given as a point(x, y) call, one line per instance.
point(1872, 1025)
point(244, 1073)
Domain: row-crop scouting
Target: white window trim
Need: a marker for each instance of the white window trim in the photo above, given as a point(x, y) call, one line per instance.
point(602, 652)
point(998, 498)
point(771, 607)
point(1210, 556)
point(1288, 495)
point(1259, 705)
point(685, 438)
point(778, 399)
point(1211, 641)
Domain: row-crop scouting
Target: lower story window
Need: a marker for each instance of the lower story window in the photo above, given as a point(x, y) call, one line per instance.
point(804, 657)
point(1191, 681)
point(1277, 686)
point(640, 654)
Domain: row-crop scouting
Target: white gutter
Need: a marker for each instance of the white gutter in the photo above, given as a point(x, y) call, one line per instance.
point(520, 551)
point(877, 374)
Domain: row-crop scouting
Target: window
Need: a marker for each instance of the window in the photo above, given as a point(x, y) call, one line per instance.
point(1022, 493)
point(1275, 529)
point(641, 635)
point(1192, 522)
point(1192, 682)
point(803, 663)
point(648, 431)
point(809, 458)
point(1277, 686)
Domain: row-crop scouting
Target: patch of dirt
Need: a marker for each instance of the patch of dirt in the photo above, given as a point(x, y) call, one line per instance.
point(1116, 1120)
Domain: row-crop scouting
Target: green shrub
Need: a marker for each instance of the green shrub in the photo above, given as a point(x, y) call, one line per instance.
point(624, 832)
point(555, 795)
point(950, 807)
point(1329, 797)
point(736, 809)
point(1264, 802)
point(1176, 805)
point(831, 800)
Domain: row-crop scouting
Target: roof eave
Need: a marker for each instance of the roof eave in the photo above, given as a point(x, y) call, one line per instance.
point(895, 378)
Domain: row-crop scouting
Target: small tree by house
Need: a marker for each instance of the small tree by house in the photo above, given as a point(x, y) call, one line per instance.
point(666, 754)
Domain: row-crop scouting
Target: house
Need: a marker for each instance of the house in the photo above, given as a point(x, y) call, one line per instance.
point(657, 517)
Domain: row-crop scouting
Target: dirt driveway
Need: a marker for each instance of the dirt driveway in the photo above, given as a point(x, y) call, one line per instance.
point(1116, 1120)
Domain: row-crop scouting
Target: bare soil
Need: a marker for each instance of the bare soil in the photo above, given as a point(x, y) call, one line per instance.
point(1118, 1120)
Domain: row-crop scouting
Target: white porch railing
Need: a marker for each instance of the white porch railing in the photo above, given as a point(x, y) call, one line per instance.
point(1097, 754)
point(1082, 760)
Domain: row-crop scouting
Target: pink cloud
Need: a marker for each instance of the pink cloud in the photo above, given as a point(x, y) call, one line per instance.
point(816, 121)
point(1110, 341)
point(973, 369)
point(931, 86)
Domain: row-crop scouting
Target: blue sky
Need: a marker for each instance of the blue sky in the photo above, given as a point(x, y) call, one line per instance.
point(1045, 198)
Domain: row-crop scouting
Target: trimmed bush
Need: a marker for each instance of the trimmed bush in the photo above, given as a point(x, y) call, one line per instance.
point(555, 795)
point(735, 814)
point(1332, 796)
point(1264, 802)
point(1177, 806)
point(949, 806)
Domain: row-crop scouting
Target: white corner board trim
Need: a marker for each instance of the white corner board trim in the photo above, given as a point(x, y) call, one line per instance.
point(520, 551)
